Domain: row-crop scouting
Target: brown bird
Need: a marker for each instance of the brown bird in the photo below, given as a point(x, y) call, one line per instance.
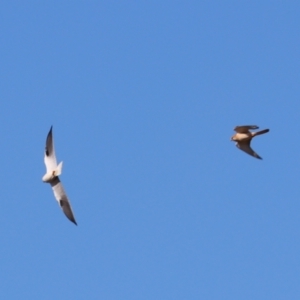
point(243, 138)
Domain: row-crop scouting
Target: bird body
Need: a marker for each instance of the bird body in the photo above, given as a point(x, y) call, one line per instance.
point(53, 172)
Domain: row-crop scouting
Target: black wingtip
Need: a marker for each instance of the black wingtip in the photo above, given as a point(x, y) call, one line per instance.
point(50, 131)
point(48, 140)
point(72, 219)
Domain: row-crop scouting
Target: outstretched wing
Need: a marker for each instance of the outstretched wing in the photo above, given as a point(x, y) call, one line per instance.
point(49, 157)
point(244, 128)
point(245, 146)
point(62, 199)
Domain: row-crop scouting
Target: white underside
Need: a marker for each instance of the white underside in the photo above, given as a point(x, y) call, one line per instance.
point(53, 173)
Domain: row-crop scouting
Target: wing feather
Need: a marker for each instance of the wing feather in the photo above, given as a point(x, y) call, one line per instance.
point(245, 146)
point(244, 128)
point(61, 197)
point(49, 157)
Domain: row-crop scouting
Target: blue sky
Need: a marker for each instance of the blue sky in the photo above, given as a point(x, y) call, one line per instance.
point(143, 97)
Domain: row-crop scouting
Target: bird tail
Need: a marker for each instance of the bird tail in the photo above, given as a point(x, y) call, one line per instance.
point(58, 169)
point(261, 132)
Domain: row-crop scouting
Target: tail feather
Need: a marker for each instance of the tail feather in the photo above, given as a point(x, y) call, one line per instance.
point(58, 169)
point(261, 132)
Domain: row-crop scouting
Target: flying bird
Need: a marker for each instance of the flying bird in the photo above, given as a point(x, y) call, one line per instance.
point(243, 138)
point(52, 172)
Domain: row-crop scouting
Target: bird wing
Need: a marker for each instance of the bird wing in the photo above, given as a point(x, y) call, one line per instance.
point(245, 146)
point(62, 199)
point(244, 128)
point(49, 157)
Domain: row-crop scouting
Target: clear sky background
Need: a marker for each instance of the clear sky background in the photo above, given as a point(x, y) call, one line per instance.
point(143, 97)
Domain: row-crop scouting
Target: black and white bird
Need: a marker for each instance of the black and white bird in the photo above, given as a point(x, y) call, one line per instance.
point(52, 172)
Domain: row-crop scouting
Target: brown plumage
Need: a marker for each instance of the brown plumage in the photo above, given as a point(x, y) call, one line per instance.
point(243, 138)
